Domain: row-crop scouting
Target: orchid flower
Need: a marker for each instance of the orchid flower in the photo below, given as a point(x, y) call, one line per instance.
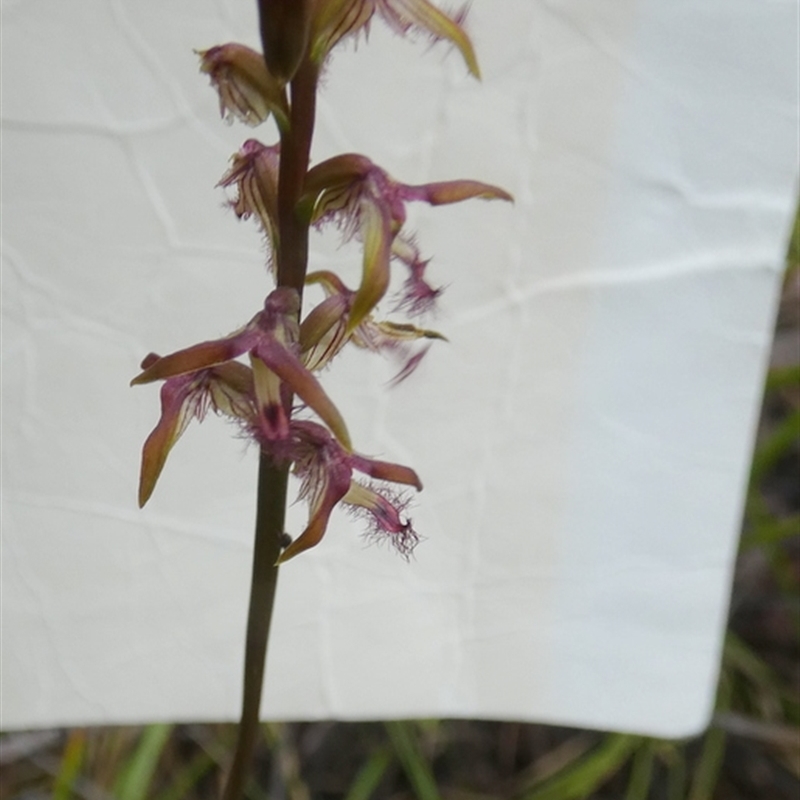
point(226, 388)
point(370, 205)
point(324, 332)
point(326, 469)
point(271, 340)
point(247, 91)
point(251, 85)
point(254, 171)
point(334, 20)
point(324, 466)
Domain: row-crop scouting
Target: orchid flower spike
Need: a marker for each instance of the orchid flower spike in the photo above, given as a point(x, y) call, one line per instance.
point(272, 395)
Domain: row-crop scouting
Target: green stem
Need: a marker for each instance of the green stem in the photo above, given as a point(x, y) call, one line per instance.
point(292, 264)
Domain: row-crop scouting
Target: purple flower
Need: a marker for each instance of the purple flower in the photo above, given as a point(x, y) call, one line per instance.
point(324, 332)
point(258, 397)
point(326, 469)
point(370, 205)
point(226, 388)
point(277, 373)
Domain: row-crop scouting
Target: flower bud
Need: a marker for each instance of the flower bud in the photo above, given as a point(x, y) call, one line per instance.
point(284, 34)
point(246, 89)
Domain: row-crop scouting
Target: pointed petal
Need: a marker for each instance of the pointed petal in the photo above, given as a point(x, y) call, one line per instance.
point(227, 388)
point(408, 367)
point(405, 332)
point(377, 240)
point(337, 484)
point(423, 14)
point(320, 320)
point(386, 471)
point(235, 376)
point(328, 185)
point(177, 409)
point(454, 192)
point(329, 281)
point(322, 333)
point(334, 20)
point(310, 537)
point(337, 171)
point(231, 390)
point(200, 356)
point(300, 380)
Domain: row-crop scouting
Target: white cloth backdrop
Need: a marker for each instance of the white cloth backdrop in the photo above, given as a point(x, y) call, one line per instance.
point(584, 437)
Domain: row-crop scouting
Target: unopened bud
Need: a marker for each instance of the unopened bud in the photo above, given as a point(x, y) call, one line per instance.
point(284, 34)
point(246, 89)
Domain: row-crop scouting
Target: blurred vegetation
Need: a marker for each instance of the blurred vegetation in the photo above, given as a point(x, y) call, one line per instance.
point(751, 749)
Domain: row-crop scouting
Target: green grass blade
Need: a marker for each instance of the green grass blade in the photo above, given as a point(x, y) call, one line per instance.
point(369, 776)
point(706, 774)
point(775, 446)
point(284, 751)
point(737, 656)
point(71, 762)
point(582, 778)
point(416, 768)
point(186, 779)
point(134, 780)
point(770, 532)
point(674, 757)
point(783, 377)
point(641, 772)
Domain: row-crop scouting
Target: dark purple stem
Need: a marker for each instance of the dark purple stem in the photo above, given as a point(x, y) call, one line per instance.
point(295, 150)
point(270, 514)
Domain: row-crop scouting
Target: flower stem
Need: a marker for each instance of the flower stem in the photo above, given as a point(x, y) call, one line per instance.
point(292, 263)
point(295, 150)
point(270, 515)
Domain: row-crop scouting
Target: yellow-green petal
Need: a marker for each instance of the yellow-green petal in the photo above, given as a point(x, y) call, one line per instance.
point(374, 226)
